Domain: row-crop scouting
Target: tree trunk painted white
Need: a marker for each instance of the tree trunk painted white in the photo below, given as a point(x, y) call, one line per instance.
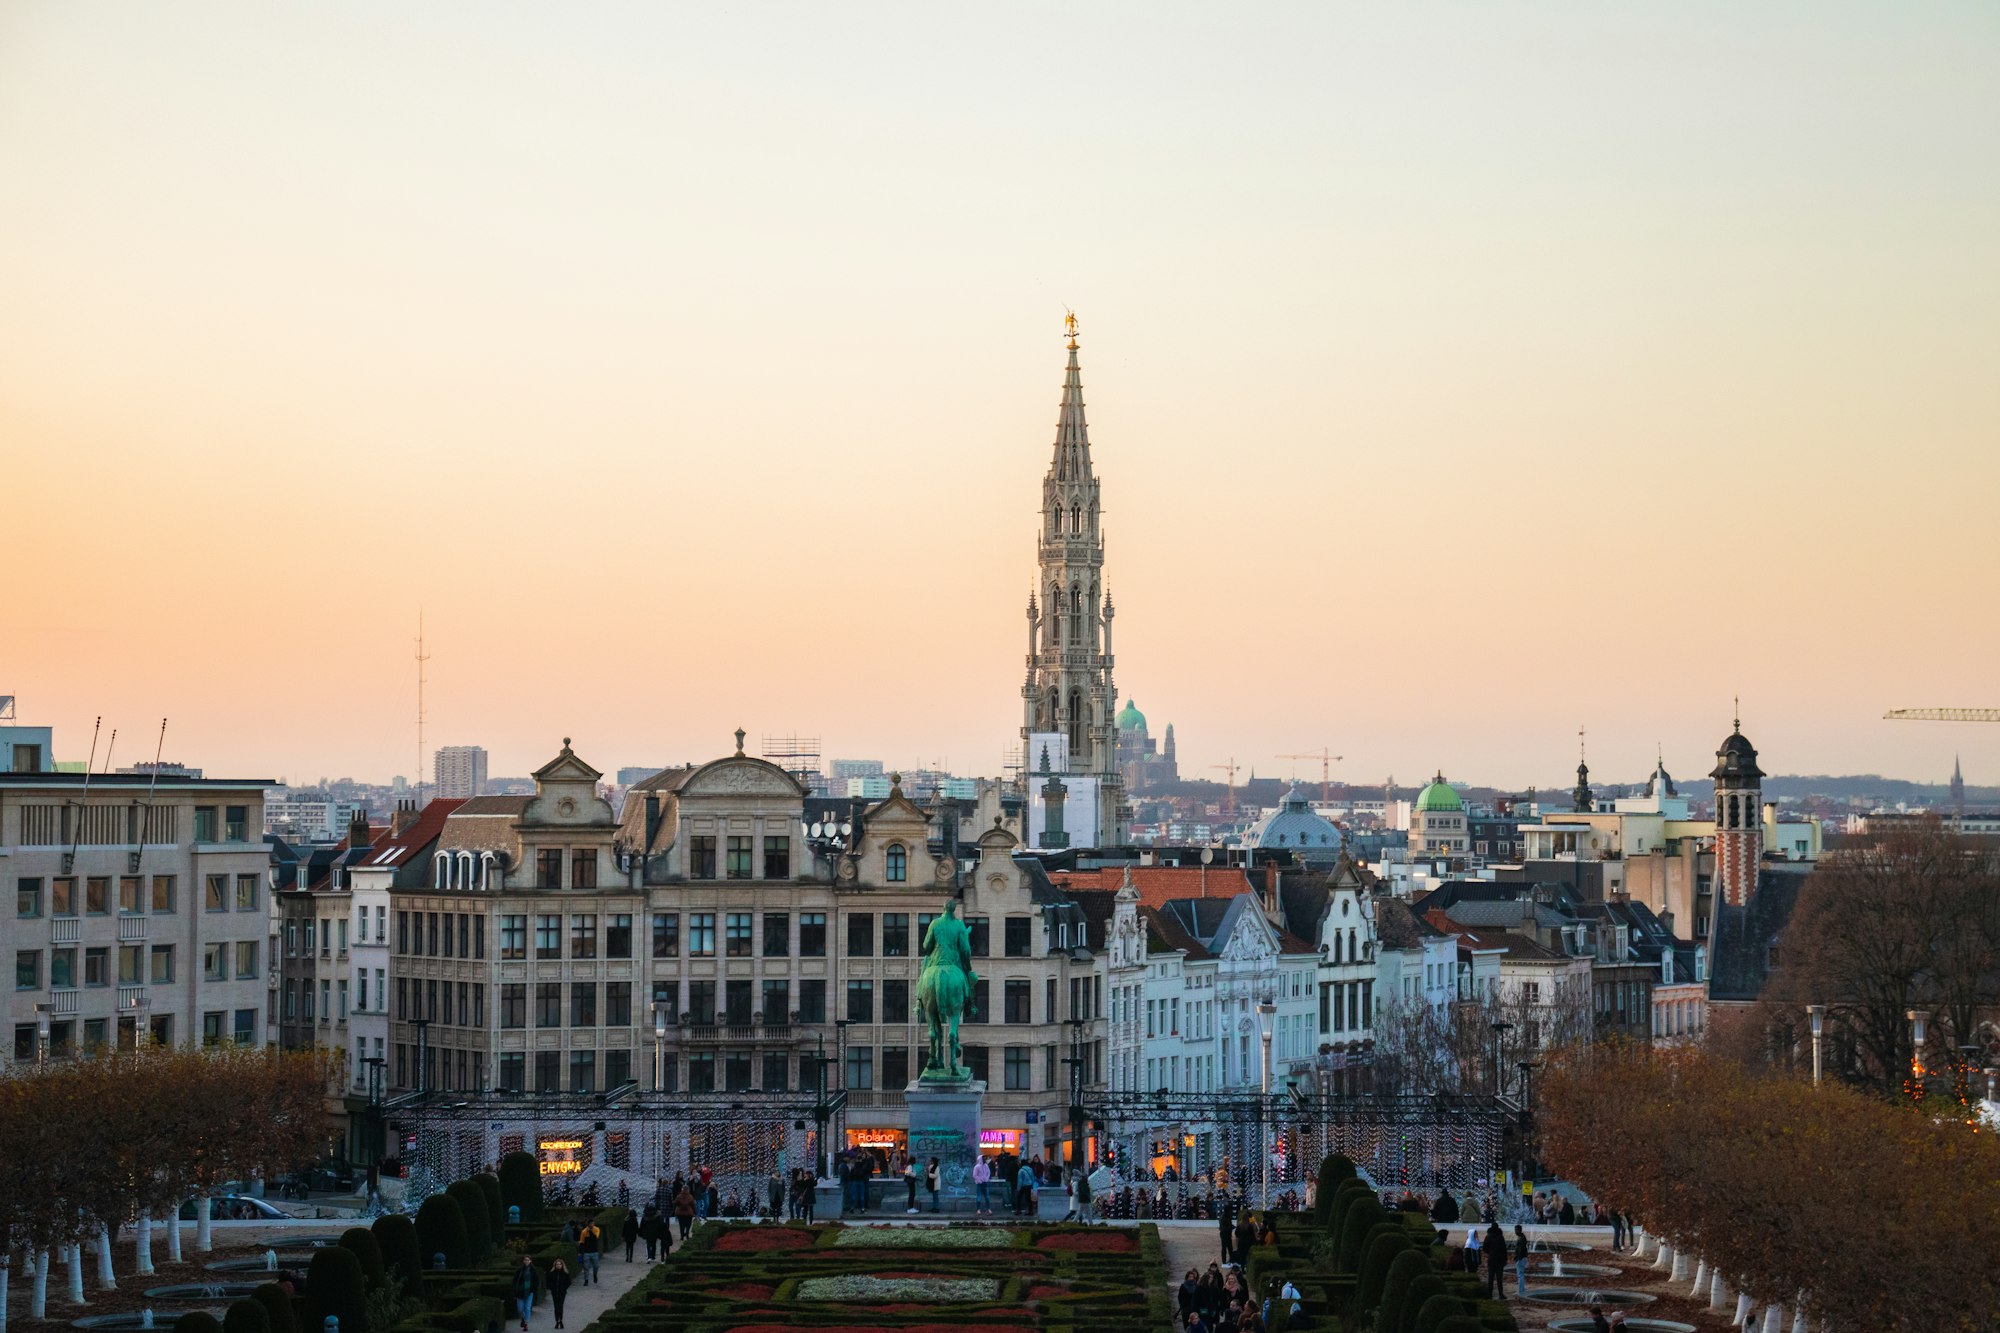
point(1664, 1260)
point(174, 1236)
point(204, 1235)
point(1774, 1317)
point(105, 1277)
point(1741, 1319)
point(142, 1243)
point(1680, 1268)
point(6, 1272)
point(1799, 1324)
point(1718, 1291)
point(38, 1301)
point(1642, 1244)
point(1700, 1279)
point(73, 1261)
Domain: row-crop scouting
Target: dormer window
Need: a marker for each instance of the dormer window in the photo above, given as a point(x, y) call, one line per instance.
point(896, 863)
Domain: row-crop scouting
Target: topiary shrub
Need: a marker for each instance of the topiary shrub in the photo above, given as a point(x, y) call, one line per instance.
point(335, 1287)
point(1346, 1196)
point(278, 1307)
point(496, 1207)
point(1424, 1291)
point(402, 1254)
point(362, 1243)
point(441, 1230)
point(1403, 1270)
point(246, 1316)
point(197, 1321)
point(1333, 1168)
point(1434, 1312)
point(1374, 1272)
point(1354, 1223)
point(521, 1185)
point(471, 1201)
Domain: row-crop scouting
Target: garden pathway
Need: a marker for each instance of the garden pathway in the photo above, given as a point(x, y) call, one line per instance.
point(615, 1278)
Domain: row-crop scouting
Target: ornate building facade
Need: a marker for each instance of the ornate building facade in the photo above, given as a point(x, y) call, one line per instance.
point(1068, 698)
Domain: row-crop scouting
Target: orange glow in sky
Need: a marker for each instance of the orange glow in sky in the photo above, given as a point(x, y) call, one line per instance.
point(1457, 375)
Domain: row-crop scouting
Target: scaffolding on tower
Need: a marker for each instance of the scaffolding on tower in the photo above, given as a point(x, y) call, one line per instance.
point(799, 756)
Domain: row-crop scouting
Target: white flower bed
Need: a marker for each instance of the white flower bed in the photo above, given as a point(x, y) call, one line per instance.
point(860, 1287)
point(926, 1238)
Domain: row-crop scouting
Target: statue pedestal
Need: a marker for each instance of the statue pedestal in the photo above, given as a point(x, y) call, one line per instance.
point(944, 1123)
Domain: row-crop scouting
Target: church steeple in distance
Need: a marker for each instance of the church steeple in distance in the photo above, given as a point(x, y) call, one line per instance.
point(1069, 689)
point(1580, 800)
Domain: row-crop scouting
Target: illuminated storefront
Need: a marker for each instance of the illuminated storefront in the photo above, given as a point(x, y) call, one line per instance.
point(994, 1142)
point(885, 1139)
point(563, 1156)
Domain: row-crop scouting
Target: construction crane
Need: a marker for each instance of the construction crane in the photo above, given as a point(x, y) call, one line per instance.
point(1327, 759)
point(1231, 768)
point(1942, 715)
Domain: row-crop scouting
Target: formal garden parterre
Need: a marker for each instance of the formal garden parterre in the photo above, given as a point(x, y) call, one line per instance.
point(744, 1278)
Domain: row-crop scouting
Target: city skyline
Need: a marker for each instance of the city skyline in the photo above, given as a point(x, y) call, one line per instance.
point(680, 343)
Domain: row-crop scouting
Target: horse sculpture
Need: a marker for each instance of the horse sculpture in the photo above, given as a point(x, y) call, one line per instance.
point(944, 986)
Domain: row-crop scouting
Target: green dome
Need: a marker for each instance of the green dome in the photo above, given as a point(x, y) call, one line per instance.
point(1130, 718)
point(1439, 796)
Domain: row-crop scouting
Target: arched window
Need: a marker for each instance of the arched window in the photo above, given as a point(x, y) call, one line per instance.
point(1075, 519)
point(1076, 725)
point(898, 863)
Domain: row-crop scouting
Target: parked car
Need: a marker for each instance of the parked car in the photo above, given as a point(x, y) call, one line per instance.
point(230, 1207)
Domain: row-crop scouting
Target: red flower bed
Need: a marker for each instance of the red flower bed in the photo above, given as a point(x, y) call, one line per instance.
point(921, 1277)
point(758, 1240)
point(746, 1291)
point(1092, 1242)
point(1045, 1291)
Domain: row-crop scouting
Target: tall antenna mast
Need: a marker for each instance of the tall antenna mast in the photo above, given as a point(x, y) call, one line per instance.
point(422, 657)
point(146, 817)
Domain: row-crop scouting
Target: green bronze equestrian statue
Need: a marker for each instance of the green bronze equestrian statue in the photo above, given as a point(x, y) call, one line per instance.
point(944, 987)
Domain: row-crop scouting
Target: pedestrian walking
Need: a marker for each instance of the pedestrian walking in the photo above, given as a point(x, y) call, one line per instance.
point(684, 1211)
point(558, 1281)
point(1520, 1261)
point(525, 1282)
point(650, 1229)
point(1083, 1196)
point(1494, 1251)
point(910, 1186)
point(629, 1232)
point(1189, 1296)
point(982, 1186)
point(589, 1245)
point(933, 1179)
point(1618, 1229)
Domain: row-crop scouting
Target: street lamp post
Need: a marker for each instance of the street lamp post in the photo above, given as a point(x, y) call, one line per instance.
point(422, 1025)
point(1074, 1060)
point(840, 1060)
point(1817, 1014)
point(1916, 1018)
point(1265, 1009)
point(1528, 1068)
point(42, 1028)
point(1500, 1027)
point(374, 1064)
point(660, 1014)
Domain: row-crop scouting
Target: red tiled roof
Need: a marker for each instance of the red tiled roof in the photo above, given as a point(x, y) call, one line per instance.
point(1515, 945)
point(429, 824)
point(1158, 885)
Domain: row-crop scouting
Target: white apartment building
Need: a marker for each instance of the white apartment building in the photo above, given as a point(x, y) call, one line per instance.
point(139, 907)
point(458, 772)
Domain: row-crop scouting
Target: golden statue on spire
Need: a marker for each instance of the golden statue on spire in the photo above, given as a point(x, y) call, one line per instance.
point(1069, 324)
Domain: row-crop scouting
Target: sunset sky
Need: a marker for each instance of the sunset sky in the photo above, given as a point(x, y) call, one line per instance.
point(1457, 375)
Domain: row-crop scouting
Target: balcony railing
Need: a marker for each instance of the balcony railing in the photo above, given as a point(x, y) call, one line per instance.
point(132, 928)
point(884, 1098)
point(706, 1034)
point(130, 996)
point(64, 1001)
point(67, 930)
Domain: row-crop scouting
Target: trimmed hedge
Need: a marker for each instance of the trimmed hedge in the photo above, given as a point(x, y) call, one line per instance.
point(280, 1307)
point(1347, 1196)
point(1353, 1230)
point(361, 1242)
point(1436, 1310)
point(471, 1201)
point(1423, 1289)
point(1381, 1253)
point(1406, 1268)
point(246, 1316)
point(496, 1207)
point(521, 1185)
point(336, 1287)
point(1333, 1169)
point(402, 1254)
point(197, 1321)
point(441, 1230)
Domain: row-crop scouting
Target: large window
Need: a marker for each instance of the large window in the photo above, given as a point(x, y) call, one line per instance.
point(701, 1001)
point(980, 931)
point(777, 1071)
point(701, 934)
point(895, 1001)
point(738, 864)
point(215, 895)
point(812, 934)
point(1017, 937)
point(28, 969)
point(1020, 1069)
point(62, 968)
point(236, 823)
point(618, 935)
point(701, 858)
point(860, 934)
point(736, 934)
point(513, 1071)
point(583, 1004)
point(736, 1008)
point(62, 896)
point(163, 964)
point(860, 1067)
point(975, 1061)
point(548, 935)
point(163, 895)
point(583, 1071)
point(777, 859)
point(895, 1066)
point(895, 934)
point(548, 1071)
point(583, 935)
point(777, 934)
point(246, 893)
point(548, 868)
point(666, 935)
point(1018, 996)
point(812, 1000)
point(976, 1011)
point(896, 863)
point(28, 898)
point(513, 938)
point(246, 958)
point(618, 1004)
point(701, 1071)
point(97, 966)
point(861, 1002)
point(583, 869)
point(513, 1005)
point(204, 823)
point(777, 1001)
point(548, 1004)
point(131, 895)
point(924, 920)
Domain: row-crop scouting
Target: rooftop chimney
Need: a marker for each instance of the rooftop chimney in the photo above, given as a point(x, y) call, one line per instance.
point(406, 815)
point(357, 830)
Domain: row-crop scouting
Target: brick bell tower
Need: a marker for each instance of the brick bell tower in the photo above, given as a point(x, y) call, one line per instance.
point(1739, 818)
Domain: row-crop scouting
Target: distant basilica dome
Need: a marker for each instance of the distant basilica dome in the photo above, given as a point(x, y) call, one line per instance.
point(1294, 827)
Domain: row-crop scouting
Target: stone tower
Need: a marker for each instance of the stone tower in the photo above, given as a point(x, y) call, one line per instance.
point(1069, 690)
point(1739, 818)
point(1957, 792)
